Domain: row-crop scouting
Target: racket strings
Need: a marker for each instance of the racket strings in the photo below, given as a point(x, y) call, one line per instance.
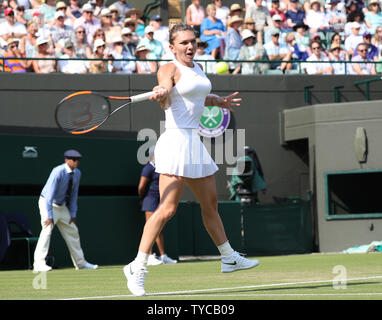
point(82, 112)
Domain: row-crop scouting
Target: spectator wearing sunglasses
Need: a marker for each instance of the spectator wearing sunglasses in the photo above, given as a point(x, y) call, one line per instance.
point(13, 64)
point(362, 68)
point(317, 55)
point(10, 28)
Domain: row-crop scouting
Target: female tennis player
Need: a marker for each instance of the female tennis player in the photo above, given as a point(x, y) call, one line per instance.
point(181, 158)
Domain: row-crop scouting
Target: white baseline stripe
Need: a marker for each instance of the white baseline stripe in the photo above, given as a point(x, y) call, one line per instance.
point(189, 292)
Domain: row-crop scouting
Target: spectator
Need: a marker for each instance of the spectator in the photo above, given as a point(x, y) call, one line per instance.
point(335, 55)
point(362, 68)
point(317, 37)
point(129, 45)
point(355, 16)
point(373, 18)
point(301, 36)
point(251, 50)
point(294, 53)
point(372, 50)
point(222, 11)
point(336, 39)
point(98, 6)
point(62, 7)
point(88, 21)
point(136, 16)
point(74, 10)
point(378, 67)
point(100, 66)
point(71, 66)
point(132, 25)
point(274, 49)
point(260, 14)
point(100, 34)
point(276, 20)
point(127, 66)
point(336, 16)
point(195, 14)
point(28, 43)
point(43, 66)
point(144, 66)
point(315, 18)
point(81, 46)
point(48, 9)
point(235, 10)
point(19, 17)
point(317, 55)
point(155, 46)
point(208, 67)
point(295, 16)
point(60, 32)
point(116, 15)
point(233, 41)
point(377, 38)
point(212, 31)
point(14, 65)
point(10, 28)
point(354, 39)
point(43, 28)
point(122, 6)
point(160, 32)
point(111, 31)
point(275, 9)
point(249, 24)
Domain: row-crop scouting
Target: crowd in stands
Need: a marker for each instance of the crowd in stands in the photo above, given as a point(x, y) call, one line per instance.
point(286, 36)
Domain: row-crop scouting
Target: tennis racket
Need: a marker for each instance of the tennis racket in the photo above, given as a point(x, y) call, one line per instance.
point(85, 111)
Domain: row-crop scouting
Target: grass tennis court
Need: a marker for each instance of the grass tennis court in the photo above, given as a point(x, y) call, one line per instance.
point(293, 277)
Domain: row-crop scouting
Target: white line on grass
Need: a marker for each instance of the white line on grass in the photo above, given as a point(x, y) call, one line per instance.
point(190, 292)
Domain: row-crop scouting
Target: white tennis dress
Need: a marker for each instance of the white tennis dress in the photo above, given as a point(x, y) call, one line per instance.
point(179, 150)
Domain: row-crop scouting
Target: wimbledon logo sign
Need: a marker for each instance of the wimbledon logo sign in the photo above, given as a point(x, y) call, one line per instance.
point(214, 121)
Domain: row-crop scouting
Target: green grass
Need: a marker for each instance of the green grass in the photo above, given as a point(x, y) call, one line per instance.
point(203, 280)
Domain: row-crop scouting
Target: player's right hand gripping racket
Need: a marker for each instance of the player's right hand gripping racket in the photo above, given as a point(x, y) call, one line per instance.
point(84, 111)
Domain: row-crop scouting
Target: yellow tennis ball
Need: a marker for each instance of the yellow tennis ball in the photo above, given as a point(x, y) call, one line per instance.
point(221, 67)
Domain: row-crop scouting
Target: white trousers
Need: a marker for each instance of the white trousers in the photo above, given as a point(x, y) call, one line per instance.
point(69, 231)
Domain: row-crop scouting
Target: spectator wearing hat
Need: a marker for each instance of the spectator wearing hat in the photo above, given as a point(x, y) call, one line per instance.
point(71, 66)
point(62, 7)
point(354, 39)
point(315, 18)
point(201, 57)
point(249, 24)
point(276, 24)
point(144, 66)
point(98, 6)
point(337, 40)
point(336, 16)
point(132, 25)
point(275, 9)
point(126, 66)
point(362, 68)
point(355, 16)
point(222, 12)
point(100, 66)
point(81, 47)
point(111, 31)
point(295, 16)
point(58, 206)
point(10, 28)
point(213, 31)
point(122, 6)
point(274, 49)
point(195, 15)
point(233, 41)
point(251, 50)
point(88, 21)
point(301, 36)
point(129, 45)
point(373, 18)
point(372, 50)
point(335, 55)
point(136, 15)
point(236, 10)
point(44, 66)
point(155, 46)
point(317, 55)
point(260, 14)
point(14, 65)
point(115, 15)
point(161, 33)
point(60, 32)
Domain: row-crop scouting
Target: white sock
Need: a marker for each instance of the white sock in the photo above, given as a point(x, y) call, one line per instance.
point(141, 259)
point(225, 249)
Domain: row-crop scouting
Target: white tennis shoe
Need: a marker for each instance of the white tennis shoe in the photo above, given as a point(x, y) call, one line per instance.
point(153, 260)
point(237, 261)
point(135, 279)
point(167, 260)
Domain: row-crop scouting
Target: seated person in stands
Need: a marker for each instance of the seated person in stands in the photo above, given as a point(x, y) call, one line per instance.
point(317, 55)
point(362, 68)
point(275, 50)
point(14, 65)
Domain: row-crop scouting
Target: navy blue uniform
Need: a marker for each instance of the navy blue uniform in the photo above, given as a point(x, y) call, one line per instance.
point(151, 199)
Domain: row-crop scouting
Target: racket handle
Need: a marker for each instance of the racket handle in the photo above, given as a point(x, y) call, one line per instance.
point(141, 97)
